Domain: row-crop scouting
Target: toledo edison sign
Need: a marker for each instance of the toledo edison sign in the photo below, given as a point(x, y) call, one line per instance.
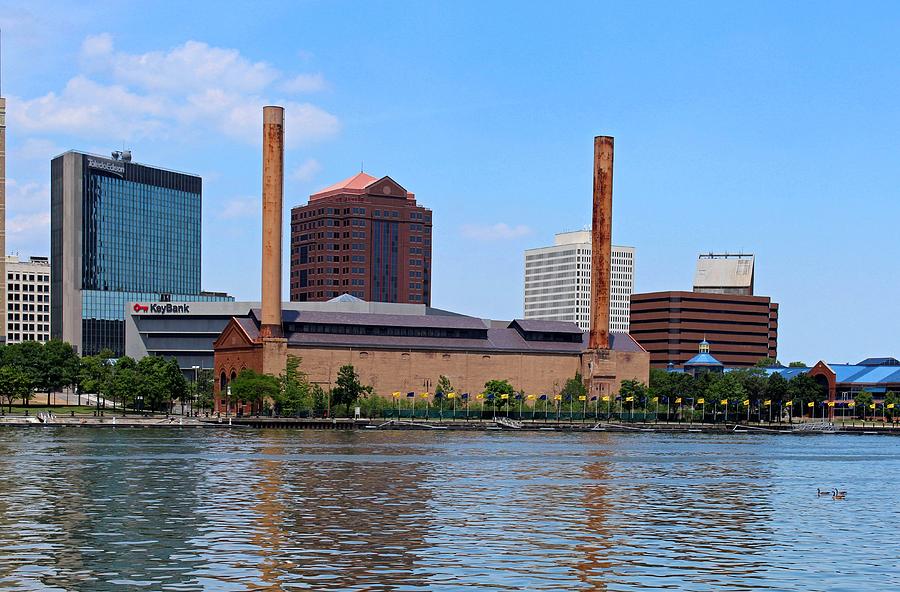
point(162, 308)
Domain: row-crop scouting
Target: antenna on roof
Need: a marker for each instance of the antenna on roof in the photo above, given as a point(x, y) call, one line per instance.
point(361, 166)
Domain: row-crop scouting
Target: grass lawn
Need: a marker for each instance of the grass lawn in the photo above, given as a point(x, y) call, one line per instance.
point(58, 410)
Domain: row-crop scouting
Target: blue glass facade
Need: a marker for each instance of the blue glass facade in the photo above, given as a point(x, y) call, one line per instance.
point(140, 230)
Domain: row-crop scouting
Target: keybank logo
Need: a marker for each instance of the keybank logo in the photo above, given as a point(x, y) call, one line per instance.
point(163, 308)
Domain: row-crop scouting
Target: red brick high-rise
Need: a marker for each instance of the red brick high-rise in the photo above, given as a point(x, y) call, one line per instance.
point(363, 236)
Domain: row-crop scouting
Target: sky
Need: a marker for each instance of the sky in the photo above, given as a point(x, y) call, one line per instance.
point(764, 127)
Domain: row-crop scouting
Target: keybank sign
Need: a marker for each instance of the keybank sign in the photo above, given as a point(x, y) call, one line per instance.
point(109, 166)
point(162, 308)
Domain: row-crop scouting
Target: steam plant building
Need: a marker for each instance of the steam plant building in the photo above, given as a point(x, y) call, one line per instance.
point(119, 232)
point(558, 282)
point(722, 309)
point(363, 236)
point(393, 351)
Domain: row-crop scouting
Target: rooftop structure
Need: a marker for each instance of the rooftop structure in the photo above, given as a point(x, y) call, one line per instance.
point(724, 273)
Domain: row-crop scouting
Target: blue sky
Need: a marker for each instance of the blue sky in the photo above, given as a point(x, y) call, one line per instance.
point(769, 127)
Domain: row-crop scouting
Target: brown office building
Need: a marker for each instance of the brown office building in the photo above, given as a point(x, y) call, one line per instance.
point(741, 329)
point(363, 236)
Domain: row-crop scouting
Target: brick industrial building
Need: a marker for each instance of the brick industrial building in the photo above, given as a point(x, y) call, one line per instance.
point(363, 236)
point(397, 352)
point(669, 325)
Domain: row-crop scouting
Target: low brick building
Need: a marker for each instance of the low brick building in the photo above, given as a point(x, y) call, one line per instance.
point(409, 352)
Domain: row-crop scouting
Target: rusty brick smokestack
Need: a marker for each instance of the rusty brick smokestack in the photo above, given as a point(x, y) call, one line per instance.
point(272, 198)
point(601, 242)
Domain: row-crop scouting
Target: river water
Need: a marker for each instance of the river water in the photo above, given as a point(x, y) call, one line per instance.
point(119, 509)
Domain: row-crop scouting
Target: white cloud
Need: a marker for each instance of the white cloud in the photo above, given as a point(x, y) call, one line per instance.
point(304, 83)
point(28, 196)
point(39, 149)
point(498, 231)
point(306, 170)
point(184, 92)
point(28, 222)
point(243, 207)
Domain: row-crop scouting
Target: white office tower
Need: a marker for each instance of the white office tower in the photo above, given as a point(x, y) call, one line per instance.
point(558, 282)
point(27, 299)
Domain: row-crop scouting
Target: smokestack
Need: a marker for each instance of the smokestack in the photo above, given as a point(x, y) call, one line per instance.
point(272, 198)
point(601, 242)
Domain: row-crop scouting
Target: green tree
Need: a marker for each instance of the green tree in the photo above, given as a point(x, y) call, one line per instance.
point(804, 389)
point(861, 403)
point(776, 388)
point(443, 386)
point(295, 393)
point(61, 365)
point(634, 389)
point(93, 375)
point(123, 381)
point(767, 363)
point(728, 386)
point(797, 365)
point(14, 384)
point(498, 388)
point(891, 405)
point(348, 389)
point(252, 387)
point(203, 388)
point(321, 399)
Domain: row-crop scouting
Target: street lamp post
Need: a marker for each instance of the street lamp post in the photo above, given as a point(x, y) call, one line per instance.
point(196, 370)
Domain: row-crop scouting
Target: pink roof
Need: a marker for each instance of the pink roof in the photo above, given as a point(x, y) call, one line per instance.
point(355, 184)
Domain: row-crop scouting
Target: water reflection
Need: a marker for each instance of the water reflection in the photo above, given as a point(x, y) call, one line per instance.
point(86, 509)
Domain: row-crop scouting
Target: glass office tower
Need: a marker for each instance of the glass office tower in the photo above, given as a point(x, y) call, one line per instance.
point(120, 232)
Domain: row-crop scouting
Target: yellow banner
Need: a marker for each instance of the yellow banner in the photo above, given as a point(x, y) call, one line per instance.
point(582, 398)
point(810, 404)
point(678, 400)
point(890, 405)
point(479, 396)
point(557, 398)
point(530, 397)
point(872, 406)
point(655, 399)
point(424, 395)
point(701, 401)
point(451, 395)
point(629, 399)
point(504, 396)
point(746, 402)
point(605, 397)
point(831, 403)
point(767, 402)
point(396, 395)
point(851, 405)
point(723, 402)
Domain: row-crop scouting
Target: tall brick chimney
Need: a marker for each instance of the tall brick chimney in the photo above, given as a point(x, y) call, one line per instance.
point(601, 242)
point(272, 198)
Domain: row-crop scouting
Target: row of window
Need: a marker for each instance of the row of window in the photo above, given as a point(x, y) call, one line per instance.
point(14, 297)
point(37, 307)
point(29, 288)
point(29, 326)
point(28, 316)
point(19, 337)
point(28, 277)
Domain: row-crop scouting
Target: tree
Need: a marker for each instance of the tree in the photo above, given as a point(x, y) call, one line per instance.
point(252, 387)
point(294, 389)
point(348, 388)
point(498, 388)
point(803, 388)
point(443, 386)
point(203, 388)
point(123, 381)
point(634, 389)
point(861, 403)
point(14, 384)
point(797, 365)
point(93, 375)
point(767, 363)
point(891, 398)
point(61, 365)
point(776, 388)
